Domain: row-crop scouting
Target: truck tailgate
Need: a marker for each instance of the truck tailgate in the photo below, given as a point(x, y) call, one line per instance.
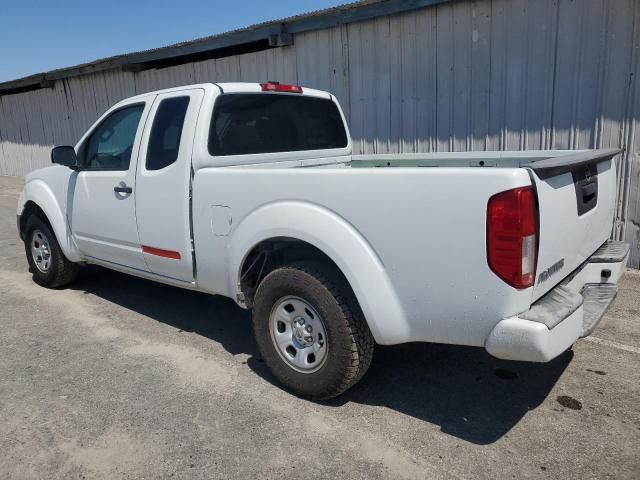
point(576, 202)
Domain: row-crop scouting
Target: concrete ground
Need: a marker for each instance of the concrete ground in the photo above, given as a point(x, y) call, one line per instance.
point(117, 377)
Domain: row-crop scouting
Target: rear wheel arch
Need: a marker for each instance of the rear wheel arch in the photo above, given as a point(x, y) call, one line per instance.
point(272, 253)
point(338, 241)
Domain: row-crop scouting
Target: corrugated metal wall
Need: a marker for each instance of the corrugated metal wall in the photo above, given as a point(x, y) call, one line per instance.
point(481, 75)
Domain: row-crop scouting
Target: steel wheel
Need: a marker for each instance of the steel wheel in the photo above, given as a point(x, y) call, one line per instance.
point(40, 251)
point(310, 330)
point(298, 333)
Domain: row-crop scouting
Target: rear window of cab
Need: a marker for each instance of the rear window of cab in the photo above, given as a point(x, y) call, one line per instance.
point(250, 123)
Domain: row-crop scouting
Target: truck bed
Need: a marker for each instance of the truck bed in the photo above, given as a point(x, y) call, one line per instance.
point(425, 226)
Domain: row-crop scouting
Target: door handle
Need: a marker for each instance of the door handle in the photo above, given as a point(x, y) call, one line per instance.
point(121, 189)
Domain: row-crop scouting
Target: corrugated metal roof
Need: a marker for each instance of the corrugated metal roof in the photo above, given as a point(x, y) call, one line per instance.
point(273, 32)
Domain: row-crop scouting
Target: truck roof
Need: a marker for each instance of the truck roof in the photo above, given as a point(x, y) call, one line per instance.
point(228, 87)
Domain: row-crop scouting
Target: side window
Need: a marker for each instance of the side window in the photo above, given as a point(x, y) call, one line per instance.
point(164, 140)
point(110, 145)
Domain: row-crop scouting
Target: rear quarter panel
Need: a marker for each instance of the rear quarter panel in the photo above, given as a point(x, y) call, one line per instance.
point(425, 226)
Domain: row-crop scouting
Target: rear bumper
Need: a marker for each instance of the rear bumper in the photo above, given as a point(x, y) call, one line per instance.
point(568, 312)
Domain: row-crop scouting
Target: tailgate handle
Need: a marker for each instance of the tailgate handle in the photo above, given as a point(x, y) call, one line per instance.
point(589, 191)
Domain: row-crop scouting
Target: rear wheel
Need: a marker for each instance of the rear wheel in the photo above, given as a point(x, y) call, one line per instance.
point(48, 265)
point(310, 331)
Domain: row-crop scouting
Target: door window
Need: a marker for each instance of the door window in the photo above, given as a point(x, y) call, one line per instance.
point(164, 140)
point(110, 145)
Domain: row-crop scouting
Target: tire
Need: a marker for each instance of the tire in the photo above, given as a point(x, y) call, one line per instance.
point(52, 271)
point(317, 294)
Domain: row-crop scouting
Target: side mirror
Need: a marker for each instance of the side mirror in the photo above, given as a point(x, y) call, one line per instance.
point(65, 156)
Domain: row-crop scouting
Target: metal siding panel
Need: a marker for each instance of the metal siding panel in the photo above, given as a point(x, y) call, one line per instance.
point(253, 67)
point(4, 158)
point(83, 109)
point(157, 79)
point(632, 217)
point(9, 140)
point(205, 71)
point(631, 185)
point(362, 68)
point(4, 144)
point(617, 70)
point(35, 132)
point(310, 56)
point(480, 74)
point(48, 115)
point(370, 81)
point(568, 73)
point(461, 13)
point(516, 74)
point(281, 64)
point(593, 36)
point(356, 80)
point(120, 85)
point(17, 133)
point(382, 84)
point(407, 102)
point(340, 76)
point(541, 31)
point(228, 69)
point(426, 80)
point(100, 93)
point(397, 88)
point(143, 81)
point(55, 113)
point(497, 68)
point(615, 119)
point(445, 79)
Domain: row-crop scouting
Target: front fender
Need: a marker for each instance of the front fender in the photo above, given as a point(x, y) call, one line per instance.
point(38, 192)
point(341, 242)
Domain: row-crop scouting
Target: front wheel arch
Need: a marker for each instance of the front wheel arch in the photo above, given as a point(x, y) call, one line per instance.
point(39, 197)
point(30, 209)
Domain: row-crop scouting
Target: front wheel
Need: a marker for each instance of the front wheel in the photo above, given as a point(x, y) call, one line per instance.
point(48, 265)
point(310, 331)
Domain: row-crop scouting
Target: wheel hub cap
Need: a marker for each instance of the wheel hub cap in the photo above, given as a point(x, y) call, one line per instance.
point(303, 332)
point(298, 333)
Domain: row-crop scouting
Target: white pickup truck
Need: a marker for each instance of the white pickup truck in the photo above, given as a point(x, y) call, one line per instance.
point(251, 191)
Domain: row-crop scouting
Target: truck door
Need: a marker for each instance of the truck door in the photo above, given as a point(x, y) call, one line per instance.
point(163, 184)
point(101, 208)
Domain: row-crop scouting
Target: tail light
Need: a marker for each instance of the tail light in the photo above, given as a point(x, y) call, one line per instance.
point(280, 87)
point(512, 236)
